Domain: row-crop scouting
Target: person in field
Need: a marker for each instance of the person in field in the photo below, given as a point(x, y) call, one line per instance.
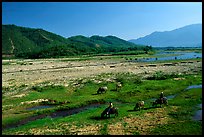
point(161, 96)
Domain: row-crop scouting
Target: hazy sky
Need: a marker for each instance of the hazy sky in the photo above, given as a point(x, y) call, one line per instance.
point(126, 20)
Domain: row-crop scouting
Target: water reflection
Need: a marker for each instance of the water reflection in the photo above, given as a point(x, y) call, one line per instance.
point(198, 114)
point(63, 113)
point(193, 86)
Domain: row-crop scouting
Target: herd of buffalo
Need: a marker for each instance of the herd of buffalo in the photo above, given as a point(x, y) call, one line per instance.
point(140, 104)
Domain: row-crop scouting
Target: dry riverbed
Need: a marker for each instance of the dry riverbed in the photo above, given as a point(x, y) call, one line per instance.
point(27, 73)
point(58, 71)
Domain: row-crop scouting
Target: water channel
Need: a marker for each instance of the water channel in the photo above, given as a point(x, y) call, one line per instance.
point(175, 55)
point(197, 116)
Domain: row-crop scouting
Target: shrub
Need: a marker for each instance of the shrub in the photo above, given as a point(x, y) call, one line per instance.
point(37, 88)
point(159, 75)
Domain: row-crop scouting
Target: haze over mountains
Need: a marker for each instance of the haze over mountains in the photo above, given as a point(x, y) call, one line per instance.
point(187, 36)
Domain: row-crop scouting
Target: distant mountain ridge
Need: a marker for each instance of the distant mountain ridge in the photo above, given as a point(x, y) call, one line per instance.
point(187, 36)
point(37, 43)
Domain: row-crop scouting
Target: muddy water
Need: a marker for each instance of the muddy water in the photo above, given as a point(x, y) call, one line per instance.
point(52, 115)
point(73, 111)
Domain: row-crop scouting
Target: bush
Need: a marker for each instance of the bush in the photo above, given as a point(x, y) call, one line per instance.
point(137, 80)
point(126, 77)
point(37, 88)
point(159, 75)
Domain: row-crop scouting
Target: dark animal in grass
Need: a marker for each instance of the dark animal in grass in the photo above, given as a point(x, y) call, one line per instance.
point(160, 102)
point(139, 105)
point(118, 86)
point(102, 90)
point(112, 111)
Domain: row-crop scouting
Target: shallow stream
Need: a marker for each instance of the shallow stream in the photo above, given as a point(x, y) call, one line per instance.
point(197, 116)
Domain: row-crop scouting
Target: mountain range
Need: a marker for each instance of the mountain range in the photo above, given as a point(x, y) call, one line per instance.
point(26, 42)
point(187, 36)
point(38, 43)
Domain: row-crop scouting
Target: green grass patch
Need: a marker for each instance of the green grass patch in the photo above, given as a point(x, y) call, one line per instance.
point(84, 92)
point(179, 128)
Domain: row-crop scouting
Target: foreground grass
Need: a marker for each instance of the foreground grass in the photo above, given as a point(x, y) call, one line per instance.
point(152, 121)
point(186, 102)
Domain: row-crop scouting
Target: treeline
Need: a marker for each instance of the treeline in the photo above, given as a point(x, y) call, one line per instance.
point(37, 43)
point(60, 51)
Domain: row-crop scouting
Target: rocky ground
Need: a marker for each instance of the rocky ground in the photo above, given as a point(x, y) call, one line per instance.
point(31, 72)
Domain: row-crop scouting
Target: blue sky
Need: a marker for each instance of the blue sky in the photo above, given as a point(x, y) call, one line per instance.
point(126, 20)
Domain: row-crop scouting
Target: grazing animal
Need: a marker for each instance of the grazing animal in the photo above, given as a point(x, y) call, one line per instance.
point(102, 90)
point(159, 101)
point(112, 111)
point(118, 86)
point(139, 105)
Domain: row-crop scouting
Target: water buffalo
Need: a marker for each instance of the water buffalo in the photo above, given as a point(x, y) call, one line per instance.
point(118, 86)
point(139, 105)
point(112, 111)
point(160, 101)
point(102, 90)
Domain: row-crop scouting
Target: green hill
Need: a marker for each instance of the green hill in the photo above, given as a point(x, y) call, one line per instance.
point(22, 42)
point(18, 41)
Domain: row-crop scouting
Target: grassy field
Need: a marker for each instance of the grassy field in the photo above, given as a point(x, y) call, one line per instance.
point(71, 84)
point(174, 119)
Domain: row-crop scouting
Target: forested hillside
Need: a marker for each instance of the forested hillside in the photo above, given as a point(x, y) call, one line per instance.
point(22, 42)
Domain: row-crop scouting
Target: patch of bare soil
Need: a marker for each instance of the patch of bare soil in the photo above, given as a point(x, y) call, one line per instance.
point(142, 124)
point(179, 78)
point(116, 129)
point(60, 71)
point(35, 101)
point(19, 96)
point(86, 130)
point(65, 129)
point(43, 131)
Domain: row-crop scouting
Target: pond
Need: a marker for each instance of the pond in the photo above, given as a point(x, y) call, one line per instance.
point(175, 55)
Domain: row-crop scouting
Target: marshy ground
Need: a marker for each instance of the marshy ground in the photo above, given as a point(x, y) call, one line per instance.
point(70, 83)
